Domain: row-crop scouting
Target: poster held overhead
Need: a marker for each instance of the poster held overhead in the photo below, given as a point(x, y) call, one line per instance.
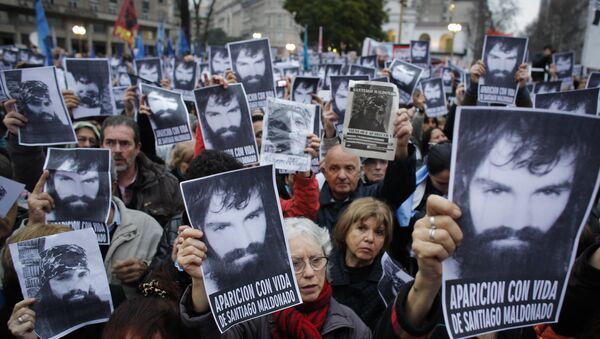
point(91, 81)
point(435, 97)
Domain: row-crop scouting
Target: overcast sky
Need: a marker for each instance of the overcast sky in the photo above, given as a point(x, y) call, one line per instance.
point(528, 12)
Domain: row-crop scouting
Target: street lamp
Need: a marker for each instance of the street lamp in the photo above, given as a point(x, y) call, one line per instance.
point(290, 47)
point(256, 35)
point(79, 31)
point(453, 27)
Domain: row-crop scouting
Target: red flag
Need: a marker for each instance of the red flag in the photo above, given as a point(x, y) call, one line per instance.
point(126, 23)
point(491, 31)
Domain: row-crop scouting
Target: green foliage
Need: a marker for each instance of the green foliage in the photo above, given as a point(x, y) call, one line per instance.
point(345, 22)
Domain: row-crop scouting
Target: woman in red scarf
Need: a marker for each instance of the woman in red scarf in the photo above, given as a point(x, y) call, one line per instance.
point(319, 316)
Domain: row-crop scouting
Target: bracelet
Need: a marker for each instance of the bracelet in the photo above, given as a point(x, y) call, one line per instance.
point(176, 264)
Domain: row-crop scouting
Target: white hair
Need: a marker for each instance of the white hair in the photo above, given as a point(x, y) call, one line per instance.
point(303, 226)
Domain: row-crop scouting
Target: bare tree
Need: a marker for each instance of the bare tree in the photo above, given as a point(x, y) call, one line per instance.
point(503, 16)
point(207, 21)
point(198, 21)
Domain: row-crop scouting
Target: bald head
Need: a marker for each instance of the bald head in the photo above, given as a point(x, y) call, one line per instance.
point(342, 172)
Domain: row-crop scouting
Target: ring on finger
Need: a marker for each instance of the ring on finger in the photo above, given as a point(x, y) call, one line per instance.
point(20, 320)
point(432, 222)
point(432, 233)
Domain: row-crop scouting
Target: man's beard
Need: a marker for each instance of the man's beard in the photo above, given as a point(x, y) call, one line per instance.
point(500, 76)
point(79, 211)
point(483, 256)
point(124, 167)
point(227, 270)
point(253, 83)
point(222, 141)
point(76, 296)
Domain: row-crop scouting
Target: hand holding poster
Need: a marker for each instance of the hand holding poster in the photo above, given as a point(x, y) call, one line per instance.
point(251, 62)
point(525, 181)
point(584, 101)
point(369, 124)
point(169, 116)
point(406, 77)
point(247, 252)
point(66, 276)
point(502, 57)
point(225, 121)
point(39, 99)
point(90, 80)
point(435, 97)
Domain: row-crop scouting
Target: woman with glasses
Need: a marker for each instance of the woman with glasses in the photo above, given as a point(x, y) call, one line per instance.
point(319, 315)
point(360, 237)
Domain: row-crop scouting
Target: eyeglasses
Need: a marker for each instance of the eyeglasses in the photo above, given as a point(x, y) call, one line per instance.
point(317, 264)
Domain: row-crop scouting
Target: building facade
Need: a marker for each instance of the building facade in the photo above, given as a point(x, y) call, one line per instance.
point(248, 18)
point(17, 22)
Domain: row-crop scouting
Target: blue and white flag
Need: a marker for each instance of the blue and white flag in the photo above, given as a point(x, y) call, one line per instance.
point(44, 37)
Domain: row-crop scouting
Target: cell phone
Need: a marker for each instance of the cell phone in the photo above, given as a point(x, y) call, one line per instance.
point(281, 83)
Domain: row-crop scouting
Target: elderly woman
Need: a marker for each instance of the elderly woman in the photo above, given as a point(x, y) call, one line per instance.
point(360, 236)
point(319, 316)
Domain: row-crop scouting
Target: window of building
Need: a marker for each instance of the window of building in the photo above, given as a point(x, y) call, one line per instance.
point(99, 28)
point(446, 43)
point(424, 37)
point(94, 5)
point(112, 8)
point(73, 3)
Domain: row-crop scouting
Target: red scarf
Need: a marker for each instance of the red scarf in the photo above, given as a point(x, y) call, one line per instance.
point(305, 320)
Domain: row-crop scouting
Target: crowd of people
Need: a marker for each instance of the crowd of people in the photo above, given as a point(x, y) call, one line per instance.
point(338, 223)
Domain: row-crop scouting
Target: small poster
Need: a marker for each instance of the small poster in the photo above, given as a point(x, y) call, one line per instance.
point(90, 80)
point(435, 97)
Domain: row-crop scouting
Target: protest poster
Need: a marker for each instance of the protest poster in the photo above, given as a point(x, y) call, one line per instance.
point(339, 96)
point(169, 118)
point(593, 80)
point(39, 99)
point(251, 276)
point(564, 63)
point(331, 70)
point(218, 60)
point(406, 77)
point(119, 97)
point(91, 81)
point(185, 75)
point(547, 87)
point(149, 70)
point(225, 121)
point(286, 127)
point(303, 87)
point(502, 56)
point(435, 97)
point(525, 181)
point(369, 124)
point(368, 61)
point(583, 101)
point(447, 79)
point(419, 54)
point(65, 273)
point(79, 182)
point(392, 278)
point(167, 63)
point(371, 72)
point(251, 62)
point(9, 193)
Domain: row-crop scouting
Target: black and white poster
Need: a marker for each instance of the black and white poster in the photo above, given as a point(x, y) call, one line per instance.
point(371, 72)
point(368, 61)
point(123, 77)
point(119, 97)
point(9, 58)
point(90, 80)
point(564, 63)
point(435, 97)
point(167, 63)
point(525, 180)
point(502, 57)
point(303, 88)
point(339, 96)
point(184, 75)
point(247, 253)
point(392, 278)
point(65, 274)
point(169, 119)
point(593, 80)
point(583, 101)
point(9, 193)
point(218, 60)
point(447, 80)
point(251, 62)
point(547, 87)
point(79, 183)
point(406, 77)
point(149, 69)
point(226, 122)
point(419, 54)
point(40, 100)
point(369, 124)
point(286, 127)
point(331, 70)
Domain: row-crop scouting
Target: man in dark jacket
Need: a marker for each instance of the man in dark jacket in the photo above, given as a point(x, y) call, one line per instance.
point(143, 185)
point(342, 175)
